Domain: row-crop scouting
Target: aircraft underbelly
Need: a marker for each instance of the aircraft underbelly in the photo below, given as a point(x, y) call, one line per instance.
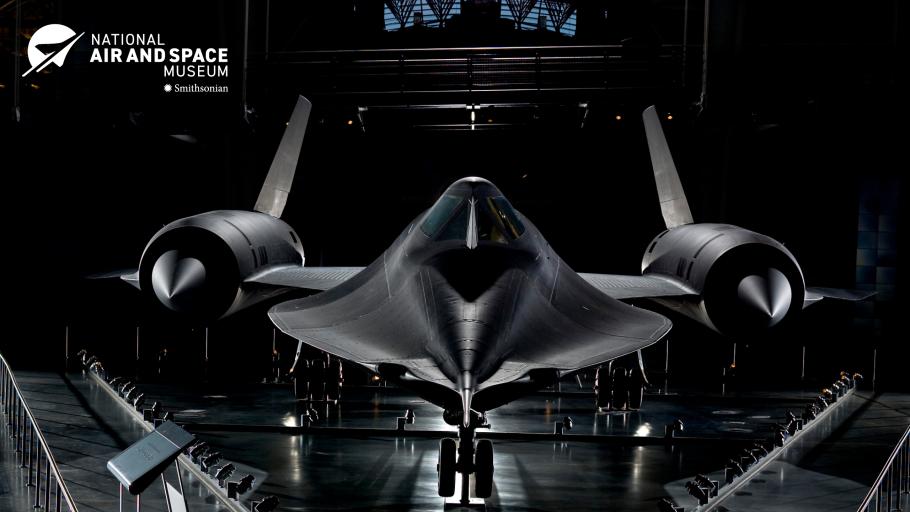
point(487, 334)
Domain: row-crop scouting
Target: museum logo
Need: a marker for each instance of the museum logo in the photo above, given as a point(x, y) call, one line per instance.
point(50, 44)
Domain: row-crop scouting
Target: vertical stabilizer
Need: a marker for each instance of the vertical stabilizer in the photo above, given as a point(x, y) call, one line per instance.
point(673, 203)
point(277, 186)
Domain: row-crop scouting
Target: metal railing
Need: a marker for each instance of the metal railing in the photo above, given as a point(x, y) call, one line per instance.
point(891, 489)
point(475, 69)
point(31, 446)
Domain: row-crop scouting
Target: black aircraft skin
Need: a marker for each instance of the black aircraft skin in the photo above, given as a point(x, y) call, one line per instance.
point(470, 307)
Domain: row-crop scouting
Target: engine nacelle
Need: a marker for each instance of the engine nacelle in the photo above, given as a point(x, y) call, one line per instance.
point(746, 282)
point(196, 266)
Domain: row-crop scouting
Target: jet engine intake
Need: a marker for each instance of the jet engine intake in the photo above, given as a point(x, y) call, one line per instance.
point(196, 266)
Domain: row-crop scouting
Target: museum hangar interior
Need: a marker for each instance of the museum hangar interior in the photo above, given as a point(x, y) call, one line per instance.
point(406, 339)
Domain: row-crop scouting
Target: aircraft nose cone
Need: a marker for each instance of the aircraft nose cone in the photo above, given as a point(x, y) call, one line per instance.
point(177, 280)
point(768, 294)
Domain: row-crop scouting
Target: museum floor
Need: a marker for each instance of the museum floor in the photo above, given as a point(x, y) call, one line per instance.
point(626, 467)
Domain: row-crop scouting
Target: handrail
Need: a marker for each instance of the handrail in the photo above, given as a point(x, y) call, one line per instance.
point(899, 459)
point(454, 49)
point(28, 440)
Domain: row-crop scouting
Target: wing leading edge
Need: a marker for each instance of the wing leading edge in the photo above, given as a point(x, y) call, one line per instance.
point(310, 278)
point(637, 287)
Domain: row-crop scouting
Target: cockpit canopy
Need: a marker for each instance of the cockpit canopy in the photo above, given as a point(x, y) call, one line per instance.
point(474, 210)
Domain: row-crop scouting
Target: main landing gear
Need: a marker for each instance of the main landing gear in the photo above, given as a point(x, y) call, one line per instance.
point(619, 389)
point(316, 382)
point(467, 457)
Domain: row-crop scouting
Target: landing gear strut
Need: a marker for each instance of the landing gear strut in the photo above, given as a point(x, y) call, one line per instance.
point(618, 389)
point(472, 458)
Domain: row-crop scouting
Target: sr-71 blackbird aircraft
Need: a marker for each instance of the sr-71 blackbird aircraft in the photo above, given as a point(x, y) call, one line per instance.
point(470, 307)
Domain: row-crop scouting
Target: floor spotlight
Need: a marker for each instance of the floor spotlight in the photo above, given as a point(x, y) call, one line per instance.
point(561, 427)
point(665, 505)
point(210, 460)
point(810, 412)
point(733, 468)
point(267, 505)
point(97, 368)
point(697, 492)
point(246, 483)
point(198, 450)
point(407, 419)
point(748, 457)
point(671, 429)
point(712, 486)
point(223, 473)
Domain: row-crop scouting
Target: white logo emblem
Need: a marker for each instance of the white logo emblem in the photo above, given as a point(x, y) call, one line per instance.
point(49, 44)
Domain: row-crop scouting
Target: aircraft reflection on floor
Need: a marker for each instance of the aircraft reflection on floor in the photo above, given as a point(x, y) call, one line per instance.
point(376, 407)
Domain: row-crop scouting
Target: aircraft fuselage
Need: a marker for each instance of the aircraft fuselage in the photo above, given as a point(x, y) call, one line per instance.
point(470, 307)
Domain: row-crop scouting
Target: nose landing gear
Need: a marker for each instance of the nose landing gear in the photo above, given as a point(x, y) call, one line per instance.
point(472, 458)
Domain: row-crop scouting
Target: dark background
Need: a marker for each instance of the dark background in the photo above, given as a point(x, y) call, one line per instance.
point(797, 130)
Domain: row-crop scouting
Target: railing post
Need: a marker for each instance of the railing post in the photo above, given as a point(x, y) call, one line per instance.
point(890, 489)
point(47, 481)
point(6, 401)
point(20, 443)
point(31, 442)
point(20, 431)
point(38, 481)
point(907, 467)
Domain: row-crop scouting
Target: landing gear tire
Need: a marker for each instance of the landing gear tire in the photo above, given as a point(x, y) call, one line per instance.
point(636, 397)
point(483, 469)
point(299, 393)
point(446, 467)
point(302, 380)
point(603, 389)
point(620, 388)
point(317, 380)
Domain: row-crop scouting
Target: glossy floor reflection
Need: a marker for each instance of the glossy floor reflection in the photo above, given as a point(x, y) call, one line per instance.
point(85, 428)
point(833, 467)
point(745, 416)
point(327, 472)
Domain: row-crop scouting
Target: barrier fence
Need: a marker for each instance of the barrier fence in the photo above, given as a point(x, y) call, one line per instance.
point(891, 490)
point(32, 450)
